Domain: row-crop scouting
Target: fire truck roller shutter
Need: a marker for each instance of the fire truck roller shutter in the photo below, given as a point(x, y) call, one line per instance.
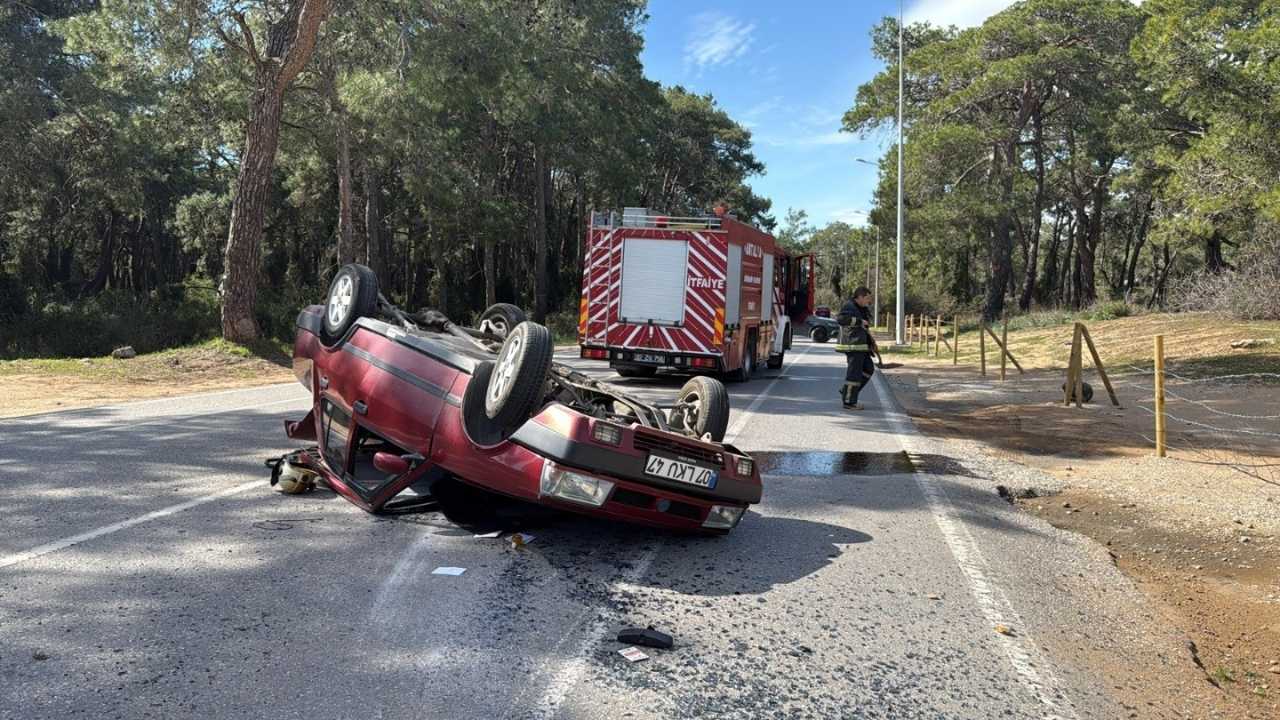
point(733, 288)
point(654, 276)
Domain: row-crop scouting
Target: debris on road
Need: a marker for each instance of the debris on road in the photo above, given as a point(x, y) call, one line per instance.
point(647, 637)
point(519, 540)
point(446, 570)
point(494, 534)
point(1004, 630)
point(633, 654)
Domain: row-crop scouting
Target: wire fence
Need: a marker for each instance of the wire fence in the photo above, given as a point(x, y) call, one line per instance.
point(1205, 426)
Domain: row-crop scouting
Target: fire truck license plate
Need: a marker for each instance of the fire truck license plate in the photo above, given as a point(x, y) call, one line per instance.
point(680, 471)
point(647, 358)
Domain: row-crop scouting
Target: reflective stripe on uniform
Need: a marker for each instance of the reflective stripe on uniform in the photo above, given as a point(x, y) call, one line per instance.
point(852, 348)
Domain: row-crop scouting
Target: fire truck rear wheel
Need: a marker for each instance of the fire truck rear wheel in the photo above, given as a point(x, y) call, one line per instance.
point(786, 339)
point(744, 373)
point(775, 362)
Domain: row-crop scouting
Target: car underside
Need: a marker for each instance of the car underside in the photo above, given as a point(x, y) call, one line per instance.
point(406, 400)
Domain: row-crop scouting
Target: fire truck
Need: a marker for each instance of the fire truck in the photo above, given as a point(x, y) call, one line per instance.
point(694, 294)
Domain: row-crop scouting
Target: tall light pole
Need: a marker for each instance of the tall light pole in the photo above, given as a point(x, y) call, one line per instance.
point(899, 332)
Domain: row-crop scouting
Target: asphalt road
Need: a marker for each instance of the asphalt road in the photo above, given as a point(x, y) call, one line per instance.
point(147, 570)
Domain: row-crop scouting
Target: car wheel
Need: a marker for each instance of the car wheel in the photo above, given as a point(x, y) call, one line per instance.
point(480, 428)
point(705, 406)
point(501, 318)
point(819, 334)
point(515, 388)
point(1086, 392)
point(744, 373)
point(636, 372)
point(775, 362)
point(786, 340)
point(353, 294)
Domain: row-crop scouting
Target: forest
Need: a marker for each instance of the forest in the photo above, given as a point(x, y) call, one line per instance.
point(180, 169)
point(1068, 153)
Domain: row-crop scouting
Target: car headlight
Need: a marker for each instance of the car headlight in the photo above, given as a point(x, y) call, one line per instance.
point(723, 517)
point(746, 466)
point(573, 486)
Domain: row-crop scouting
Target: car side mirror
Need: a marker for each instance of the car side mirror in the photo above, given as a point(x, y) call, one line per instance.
point(390, 464)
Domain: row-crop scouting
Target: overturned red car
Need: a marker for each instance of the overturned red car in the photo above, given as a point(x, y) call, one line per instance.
point(405, 400)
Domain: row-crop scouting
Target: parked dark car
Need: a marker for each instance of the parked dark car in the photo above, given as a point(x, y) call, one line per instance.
point(405, 400)
point(821, 329)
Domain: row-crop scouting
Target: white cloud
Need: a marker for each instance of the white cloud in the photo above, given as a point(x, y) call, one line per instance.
point(825, 139)
point(964, 13)
point(717, 39)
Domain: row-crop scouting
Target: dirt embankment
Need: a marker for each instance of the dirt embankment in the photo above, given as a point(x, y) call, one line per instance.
point(1198, 531)
point(36, 386)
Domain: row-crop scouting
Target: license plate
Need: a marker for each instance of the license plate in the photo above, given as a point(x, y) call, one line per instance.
point(680, 471)
point(647, 358)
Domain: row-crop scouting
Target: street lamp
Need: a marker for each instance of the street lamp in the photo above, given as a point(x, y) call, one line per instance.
point(900, 301)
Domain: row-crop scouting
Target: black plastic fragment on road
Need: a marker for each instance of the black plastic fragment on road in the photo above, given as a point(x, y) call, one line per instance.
point(647, 637)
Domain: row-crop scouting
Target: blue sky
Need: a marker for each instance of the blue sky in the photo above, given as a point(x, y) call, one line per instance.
point(788, 71)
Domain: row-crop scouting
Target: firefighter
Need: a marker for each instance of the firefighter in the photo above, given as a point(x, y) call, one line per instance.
point(856, 343)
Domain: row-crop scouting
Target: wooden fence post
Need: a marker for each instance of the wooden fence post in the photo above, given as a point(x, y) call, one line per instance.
point(1160, 427)
point(982, 346)
point(937, 341)
point(1004, 345)
point(955, 340)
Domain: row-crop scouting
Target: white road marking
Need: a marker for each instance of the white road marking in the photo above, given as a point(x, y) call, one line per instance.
point(16, 558)
point(1032, 670)
point(31, 419)
point(176, 419)
point(57, 545)
point(572, 670)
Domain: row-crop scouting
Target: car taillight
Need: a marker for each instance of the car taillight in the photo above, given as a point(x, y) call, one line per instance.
point(746, 466)
point(700, 362)
point(595, 354)
point(606, 433)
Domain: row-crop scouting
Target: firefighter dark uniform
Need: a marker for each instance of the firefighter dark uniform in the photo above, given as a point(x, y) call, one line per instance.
point(856, 343)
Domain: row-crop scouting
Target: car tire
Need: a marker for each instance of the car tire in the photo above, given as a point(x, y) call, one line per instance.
point(353, 294)
point(786, 339)
point(1086, 391)
point(775, 362)
point(479, 427)
point(819, 334)
point(636, 372)
point(501, 319)
point(519, 375)
point(712, 401)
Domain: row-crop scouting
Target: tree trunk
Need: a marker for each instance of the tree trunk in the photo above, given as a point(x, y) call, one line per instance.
point(1141, 240)
point(539, 237)
point(106, 259)
point(346, 242)
point(375, 249)
point(1000, 239)
point(1033, 252)
point(1213, 260)
point(290, 44)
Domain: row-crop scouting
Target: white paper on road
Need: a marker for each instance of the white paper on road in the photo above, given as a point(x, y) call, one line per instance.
point(633, 654)
point(447, 570)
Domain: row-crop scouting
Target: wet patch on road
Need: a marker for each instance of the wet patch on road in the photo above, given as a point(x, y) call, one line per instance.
point(827, 463)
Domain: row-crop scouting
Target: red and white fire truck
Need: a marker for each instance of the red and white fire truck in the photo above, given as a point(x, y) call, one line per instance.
point(699, 294)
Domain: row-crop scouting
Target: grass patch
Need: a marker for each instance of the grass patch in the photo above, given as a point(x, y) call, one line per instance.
point(207, 356)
